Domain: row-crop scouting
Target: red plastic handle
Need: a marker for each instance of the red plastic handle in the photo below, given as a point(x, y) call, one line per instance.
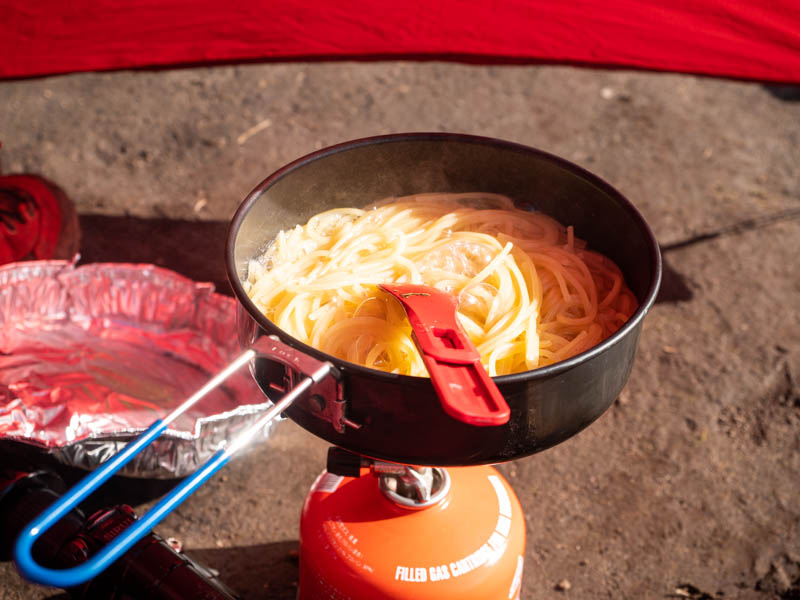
point(466, 391)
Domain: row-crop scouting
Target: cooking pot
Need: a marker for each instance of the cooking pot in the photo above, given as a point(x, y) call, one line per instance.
point(397, 417)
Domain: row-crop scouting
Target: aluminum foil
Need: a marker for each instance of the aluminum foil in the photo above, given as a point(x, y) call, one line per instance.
point(92, 355)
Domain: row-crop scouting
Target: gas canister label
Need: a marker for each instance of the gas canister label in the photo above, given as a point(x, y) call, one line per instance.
point(516, 582)
point(326, 483)
point(498, 540)
point(502, 495)
point(411, 574)
point(488, 552)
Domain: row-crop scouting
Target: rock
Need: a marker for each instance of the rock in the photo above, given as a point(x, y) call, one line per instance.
point(563, 585)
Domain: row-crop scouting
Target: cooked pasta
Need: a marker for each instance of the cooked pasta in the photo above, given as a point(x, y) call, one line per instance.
point(529, 292)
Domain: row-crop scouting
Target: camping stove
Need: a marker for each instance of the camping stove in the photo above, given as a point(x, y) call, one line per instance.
point(383, 531)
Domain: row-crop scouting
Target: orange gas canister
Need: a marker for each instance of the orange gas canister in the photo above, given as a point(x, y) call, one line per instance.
point(360, 540)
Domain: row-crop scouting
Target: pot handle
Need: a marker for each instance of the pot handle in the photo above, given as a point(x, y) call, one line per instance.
point(74, 576)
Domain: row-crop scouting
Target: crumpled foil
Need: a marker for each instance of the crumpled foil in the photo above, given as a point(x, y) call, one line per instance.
point(90, 356)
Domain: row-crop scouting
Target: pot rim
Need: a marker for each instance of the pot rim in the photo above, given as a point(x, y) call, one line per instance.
point(539, 373)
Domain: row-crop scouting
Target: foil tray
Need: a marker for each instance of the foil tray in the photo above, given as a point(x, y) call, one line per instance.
point(92, 355)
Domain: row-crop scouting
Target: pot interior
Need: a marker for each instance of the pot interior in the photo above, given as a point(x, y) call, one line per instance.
point(363, 172)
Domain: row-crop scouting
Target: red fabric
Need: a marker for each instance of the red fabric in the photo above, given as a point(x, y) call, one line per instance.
point(751, 39)
point(30, 219)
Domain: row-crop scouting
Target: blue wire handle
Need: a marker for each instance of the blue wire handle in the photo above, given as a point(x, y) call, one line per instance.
point(314, 371)
point(67, 578)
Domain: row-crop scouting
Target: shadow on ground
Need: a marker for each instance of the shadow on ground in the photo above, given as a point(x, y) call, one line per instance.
point(195, 249)
point(275, 564)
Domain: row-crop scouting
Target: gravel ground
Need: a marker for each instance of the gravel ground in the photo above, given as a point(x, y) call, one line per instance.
point(688, 486)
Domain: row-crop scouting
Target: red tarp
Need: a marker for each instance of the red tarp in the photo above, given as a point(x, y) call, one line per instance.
point(751, 39)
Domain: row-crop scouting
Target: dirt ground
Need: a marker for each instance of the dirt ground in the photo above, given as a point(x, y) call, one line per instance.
point(688, 486)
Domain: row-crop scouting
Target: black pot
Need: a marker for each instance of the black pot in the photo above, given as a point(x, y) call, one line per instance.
point(399, 418)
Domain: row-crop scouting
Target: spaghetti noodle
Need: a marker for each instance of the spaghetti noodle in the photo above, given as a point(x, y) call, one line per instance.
point(529, 292)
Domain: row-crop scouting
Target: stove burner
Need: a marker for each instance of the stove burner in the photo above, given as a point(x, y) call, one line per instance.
point(412, 487)
point(406, 486)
